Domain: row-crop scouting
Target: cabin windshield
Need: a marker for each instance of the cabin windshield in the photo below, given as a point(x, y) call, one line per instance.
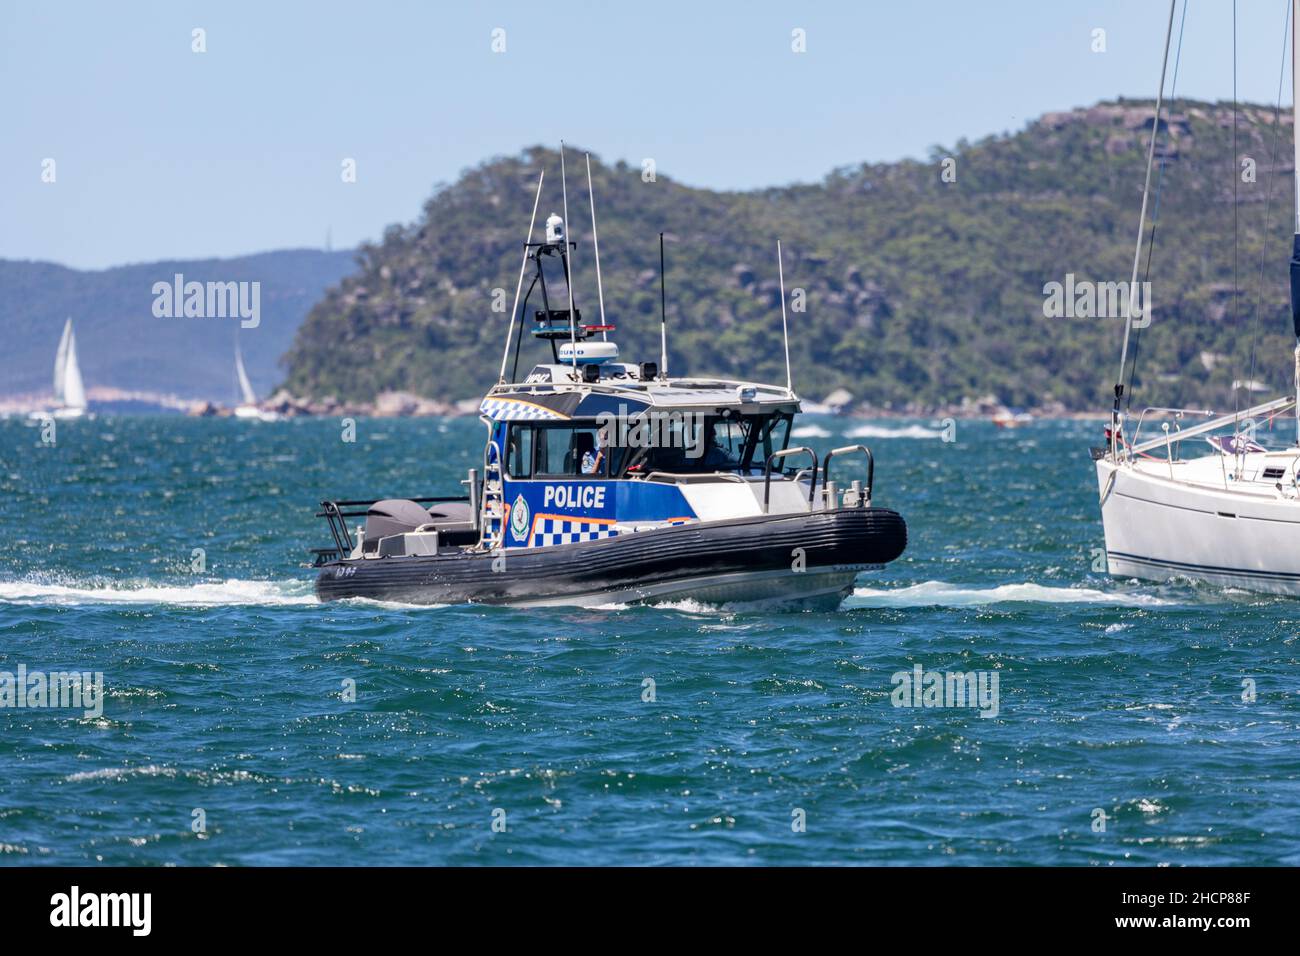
point(712, 443)
point(683, 445)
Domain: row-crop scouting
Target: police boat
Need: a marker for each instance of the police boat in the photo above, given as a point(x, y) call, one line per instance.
point(606, 482)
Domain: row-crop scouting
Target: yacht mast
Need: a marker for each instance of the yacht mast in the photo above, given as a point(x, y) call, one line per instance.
point(1295, 107)
point(1137, 252)
point(1295, 244)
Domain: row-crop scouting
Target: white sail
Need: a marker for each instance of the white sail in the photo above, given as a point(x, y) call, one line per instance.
point(246, 393)
point(74, 390)
point(61, 362)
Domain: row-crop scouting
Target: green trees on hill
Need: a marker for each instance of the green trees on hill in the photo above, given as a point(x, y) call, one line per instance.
point(921, 288)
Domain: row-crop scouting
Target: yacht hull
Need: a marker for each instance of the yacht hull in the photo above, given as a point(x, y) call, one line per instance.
point(1158, 528)
point(808, 559)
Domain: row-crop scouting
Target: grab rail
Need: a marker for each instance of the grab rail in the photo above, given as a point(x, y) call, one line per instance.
point(338, 526)
point(1177, 413)
point(767, 473)
point(871, 466)
point(1275, 407)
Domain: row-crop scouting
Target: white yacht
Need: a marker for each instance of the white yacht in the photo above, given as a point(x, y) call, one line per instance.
point(1179, 500)
point(247, 407)
point(69, 389)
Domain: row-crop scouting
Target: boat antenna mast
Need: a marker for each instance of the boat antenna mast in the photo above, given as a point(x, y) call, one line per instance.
point(567, 259)
point(1116, 413)
point(520, 286)
point(663, 316)
point(785, 329)
point(595, 242)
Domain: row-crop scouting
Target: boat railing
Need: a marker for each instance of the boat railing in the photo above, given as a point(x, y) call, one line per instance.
point(336, 517)
point(871, 466)
point(616, 388)
point(1271, 408)
point(611, 387)
point(1178, 415)
point(767, 473)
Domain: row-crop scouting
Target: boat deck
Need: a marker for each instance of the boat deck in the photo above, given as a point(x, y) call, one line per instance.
point(1268, 474)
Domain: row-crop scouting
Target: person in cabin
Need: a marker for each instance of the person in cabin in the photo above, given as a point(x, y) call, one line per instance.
point(590, 451)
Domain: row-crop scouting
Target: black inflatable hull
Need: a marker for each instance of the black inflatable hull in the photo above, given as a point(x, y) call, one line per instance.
point(806, 559)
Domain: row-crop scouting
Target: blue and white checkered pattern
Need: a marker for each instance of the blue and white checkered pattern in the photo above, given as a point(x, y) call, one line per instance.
point(510, 410)
point(548, 531)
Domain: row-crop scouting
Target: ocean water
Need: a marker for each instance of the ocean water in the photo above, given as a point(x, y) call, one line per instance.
point(228, 736)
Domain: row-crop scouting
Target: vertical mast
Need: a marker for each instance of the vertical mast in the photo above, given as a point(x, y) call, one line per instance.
point(520, 286)
point(595, 241)
point(1295, 108)
point(663, 316)
point(568, 264)
point(785, 331)
point(1137, 253)
point(1295, 243)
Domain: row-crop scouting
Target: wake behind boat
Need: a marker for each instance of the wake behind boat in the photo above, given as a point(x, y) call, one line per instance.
point(1228, 517)
point(612, 482)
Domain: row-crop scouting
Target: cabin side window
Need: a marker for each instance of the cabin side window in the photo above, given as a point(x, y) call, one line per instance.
point(773, 437)
point(555, 451)
point(519, 451)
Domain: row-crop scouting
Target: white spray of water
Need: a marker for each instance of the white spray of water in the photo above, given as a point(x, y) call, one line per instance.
point(208, 594)
point(883, 431)
point(939, 594)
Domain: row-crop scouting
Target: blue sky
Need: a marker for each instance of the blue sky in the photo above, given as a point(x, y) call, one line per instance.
point(161, 152)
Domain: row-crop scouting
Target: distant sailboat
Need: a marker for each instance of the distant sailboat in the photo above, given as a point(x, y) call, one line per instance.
point(247, 407)
point(69, 389)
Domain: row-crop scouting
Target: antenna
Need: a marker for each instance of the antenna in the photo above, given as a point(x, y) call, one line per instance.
point(595, 241)
point(520, 286)
point(663, 316)
point(785, 331)
point(568, 264)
